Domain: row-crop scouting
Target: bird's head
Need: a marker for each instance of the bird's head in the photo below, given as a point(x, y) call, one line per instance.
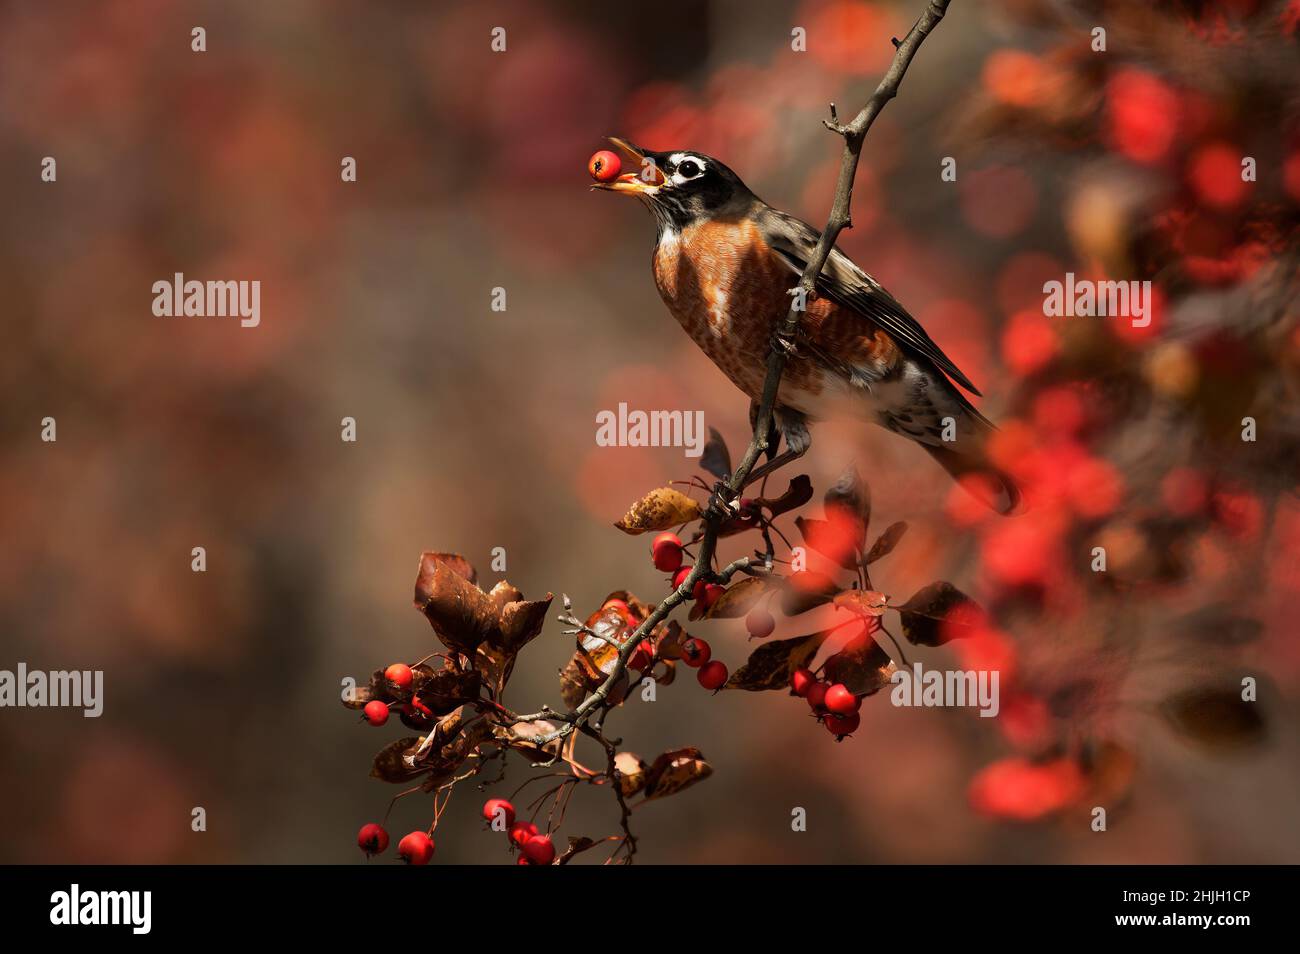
point(680, 186)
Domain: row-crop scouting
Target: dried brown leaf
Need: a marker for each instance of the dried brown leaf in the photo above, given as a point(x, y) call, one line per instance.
point(661, 509)
point(771, 664)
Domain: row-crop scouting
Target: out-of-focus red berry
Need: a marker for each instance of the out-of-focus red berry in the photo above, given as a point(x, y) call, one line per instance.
point(842, 725)
point(376, 712)
point(521, 831)
point(499, 807)
point(539, 850)
point(605, 166)
point(416, 848)
point(400, 675)
point(760, 623)
point(840, 701)
point(666, 551)
point(802, 680)
point(642, 656)
point(696, 652)
point(712, 675)
point(711, 593)
point(816, 695)
point(372, 839)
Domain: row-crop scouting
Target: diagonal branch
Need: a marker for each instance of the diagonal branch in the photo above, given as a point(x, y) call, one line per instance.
point(854, 133)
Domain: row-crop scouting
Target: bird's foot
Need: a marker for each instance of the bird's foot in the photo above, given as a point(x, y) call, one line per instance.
point(723, 502)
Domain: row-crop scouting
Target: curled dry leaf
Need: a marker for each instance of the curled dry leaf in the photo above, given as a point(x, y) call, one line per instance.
point(631, 771)
point(395, 762)
point(938, 613)
point(444, 689)
point(771, 664)
point(573, 683)
point(430, 561)
point(529, 731)
point(660, 509)
point(675, 770)
point(1216, 719)
point(739, 598)
point(886, 542)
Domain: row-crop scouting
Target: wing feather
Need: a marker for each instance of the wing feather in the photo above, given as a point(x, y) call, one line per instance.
point(843, 282)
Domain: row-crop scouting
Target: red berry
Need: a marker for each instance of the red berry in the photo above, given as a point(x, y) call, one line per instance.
point(816, 695)
point(400, 675)
point(604, 166)
point(523, 860)
point(666, 551)
point(697, 593)
point(419, 706)
point(840, 701)
point(760, 623)
point(842, 725)
point(643, 656)
point(680, 577)
point(372, 839)
point(711, 593)
point(416, 848)
point(539, 850)
point(712, 675)
point(376, 712)
point(801, 680)
point(495, 808)
point(521, 831)
point(696, 652)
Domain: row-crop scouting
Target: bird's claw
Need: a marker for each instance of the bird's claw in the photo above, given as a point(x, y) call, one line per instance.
point(723, 502)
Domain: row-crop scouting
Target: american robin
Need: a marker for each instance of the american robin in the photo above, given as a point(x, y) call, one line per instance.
point(724, 263)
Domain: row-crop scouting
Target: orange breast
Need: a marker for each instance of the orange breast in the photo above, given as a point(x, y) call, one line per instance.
point(729, 291)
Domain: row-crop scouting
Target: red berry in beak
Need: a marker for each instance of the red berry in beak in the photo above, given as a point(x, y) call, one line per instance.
point(713, 675)
point(604, 166)
point(372, 839)
point(416, 848)
point(376, 712)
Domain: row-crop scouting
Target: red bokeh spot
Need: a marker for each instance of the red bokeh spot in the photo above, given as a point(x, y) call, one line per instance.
point(1141, 115)
point(1185, 492)
point(999, 201)
point(1215, 175)
point(844, 35)
point(1020, 790)
point(1015, 77)
point(1028, 343)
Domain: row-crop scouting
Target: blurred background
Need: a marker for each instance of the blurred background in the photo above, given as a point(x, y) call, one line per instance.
point(476, 428)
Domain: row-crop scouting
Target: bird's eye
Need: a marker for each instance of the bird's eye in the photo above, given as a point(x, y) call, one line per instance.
point(688, 169)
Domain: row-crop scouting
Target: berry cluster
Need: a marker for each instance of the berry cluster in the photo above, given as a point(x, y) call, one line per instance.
point(834, 705)
point(534, 847)
point(415, 848)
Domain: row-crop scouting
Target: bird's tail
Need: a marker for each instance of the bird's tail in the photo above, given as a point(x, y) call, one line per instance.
point(971, 468)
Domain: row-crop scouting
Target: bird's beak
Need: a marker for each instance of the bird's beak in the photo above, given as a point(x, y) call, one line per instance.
point(645, 181)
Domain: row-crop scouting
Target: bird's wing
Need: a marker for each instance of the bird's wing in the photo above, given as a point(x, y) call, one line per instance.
point(843, 282)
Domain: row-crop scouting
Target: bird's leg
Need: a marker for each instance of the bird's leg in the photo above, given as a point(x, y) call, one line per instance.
point(793, 426)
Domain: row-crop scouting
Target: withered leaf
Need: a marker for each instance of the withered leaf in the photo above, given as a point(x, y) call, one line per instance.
point(631, 769)
point(675, 770)
point(360, 696)
point(668, 644)
point(716, 459)
point(444, 689)
point(521, 621)
point(739, 598)
point(886, 542)
point(669, 673)
point(862, 666)
point(807, 590)
point(430, 561)
point(395, 761)
point(528, 748)
point(938, 613)
point(460, 613)
point(796, 495)
point(1216, 719)
point(771, 664)
point(598, 649)
point(573, 683)
point(660, 509)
